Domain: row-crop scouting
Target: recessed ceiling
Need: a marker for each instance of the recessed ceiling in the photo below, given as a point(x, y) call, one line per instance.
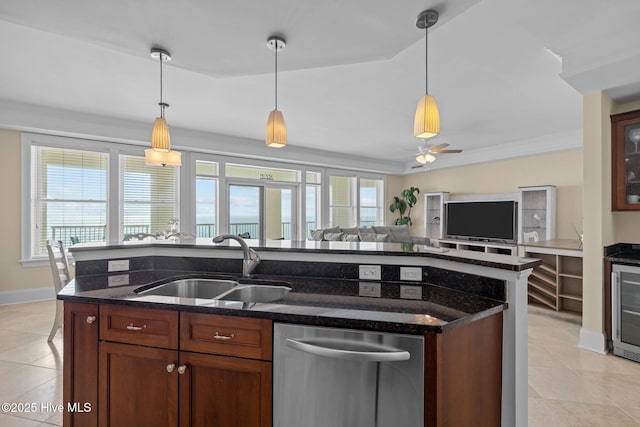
point(349, 79)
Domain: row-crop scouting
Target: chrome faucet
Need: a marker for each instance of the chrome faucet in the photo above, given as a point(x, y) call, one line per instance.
point(251, 257)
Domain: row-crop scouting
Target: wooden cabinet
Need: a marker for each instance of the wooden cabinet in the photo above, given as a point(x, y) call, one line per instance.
point(149, 367)
point(468, 245)
point(557, 282)
point(138, 385)
point(625, 161)
point(80, 379)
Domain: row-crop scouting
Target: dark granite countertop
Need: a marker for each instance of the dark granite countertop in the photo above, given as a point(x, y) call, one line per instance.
point(310, 247)
point(313, 301)
point(624, 253)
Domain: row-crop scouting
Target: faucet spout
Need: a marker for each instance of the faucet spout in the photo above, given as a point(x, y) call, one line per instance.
point(251, 259)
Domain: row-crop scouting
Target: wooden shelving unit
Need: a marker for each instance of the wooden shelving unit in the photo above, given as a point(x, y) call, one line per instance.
point(557, 282)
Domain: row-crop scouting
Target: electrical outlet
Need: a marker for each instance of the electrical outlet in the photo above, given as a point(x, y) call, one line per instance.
point(118, 265)
point(369, 289)
point(410, 292)
point(411, 273)
point(370, 272)
point(118, 280)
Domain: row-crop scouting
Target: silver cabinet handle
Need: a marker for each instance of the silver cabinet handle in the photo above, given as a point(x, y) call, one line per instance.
point(349, 350)
point(131, 327)
point(217, 336)
point(635, 313)
point(91, 319)
point(171, 367)
point(182, 369)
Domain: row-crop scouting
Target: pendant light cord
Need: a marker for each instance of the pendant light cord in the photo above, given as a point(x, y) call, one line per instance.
point(426, 57)
point(276, 74)
point(161, 103)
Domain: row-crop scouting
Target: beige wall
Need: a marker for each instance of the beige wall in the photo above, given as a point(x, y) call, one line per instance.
point(562, 169)
point(14, 277)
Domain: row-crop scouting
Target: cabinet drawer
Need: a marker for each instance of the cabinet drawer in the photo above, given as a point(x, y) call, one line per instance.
point(226, 335)
point(155, 328)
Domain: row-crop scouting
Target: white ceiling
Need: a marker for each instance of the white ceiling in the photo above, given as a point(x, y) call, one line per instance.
point(350, 76)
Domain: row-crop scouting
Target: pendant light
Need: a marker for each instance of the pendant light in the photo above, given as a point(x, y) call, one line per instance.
point(160, 153)
point(276, 129)
point(427, 120)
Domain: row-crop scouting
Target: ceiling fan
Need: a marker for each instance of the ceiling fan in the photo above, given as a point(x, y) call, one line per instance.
point(426, 152)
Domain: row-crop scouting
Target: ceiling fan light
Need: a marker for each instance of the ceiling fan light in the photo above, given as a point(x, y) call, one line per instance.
point(160, 138)
point(276, 130)
point(427, 120)
point(425, 158)
point(162, 158)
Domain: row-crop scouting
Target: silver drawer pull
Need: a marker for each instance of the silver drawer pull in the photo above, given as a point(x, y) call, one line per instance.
point(91, 319)
point(182, 369)
point(135, 328)
point(171, 367)
point(217, 336)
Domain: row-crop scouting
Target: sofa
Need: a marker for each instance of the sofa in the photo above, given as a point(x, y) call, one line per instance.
point(375, 233)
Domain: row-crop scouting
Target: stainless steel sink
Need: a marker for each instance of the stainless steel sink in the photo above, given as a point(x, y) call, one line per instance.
point(192, 288)
point(255, 293)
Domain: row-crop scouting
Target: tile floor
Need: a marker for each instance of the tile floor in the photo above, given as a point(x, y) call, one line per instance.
point(568, 386)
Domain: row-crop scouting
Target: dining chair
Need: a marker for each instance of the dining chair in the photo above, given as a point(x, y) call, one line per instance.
point(60, 271)
point(139, 236)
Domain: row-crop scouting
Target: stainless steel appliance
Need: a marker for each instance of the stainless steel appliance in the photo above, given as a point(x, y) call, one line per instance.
point(326, 377)
point(625, 311)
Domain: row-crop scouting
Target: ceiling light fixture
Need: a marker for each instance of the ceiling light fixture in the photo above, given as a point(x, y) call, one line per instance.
point(276, 129)
point(427, 120)
point(160, 153)
point(425, 158)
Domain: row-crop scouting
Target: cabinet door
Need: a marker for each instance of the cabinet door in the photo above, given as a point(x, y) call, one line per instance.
point(80, 379)
point(138, 386)
point(625, 161)
point(224, 391)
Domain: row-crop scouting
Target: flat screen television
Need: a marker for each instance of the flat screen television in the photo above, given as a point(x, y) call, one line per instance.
point(483, 220)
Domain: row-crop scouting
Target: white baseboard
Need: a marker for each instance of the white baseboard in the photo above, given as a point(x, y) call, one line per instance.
point(594, 341)
point(26, 295)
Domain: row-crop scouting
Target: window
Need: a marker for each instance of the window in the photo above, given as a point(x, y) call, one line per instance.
point(148, 196)
point(68, 197)
point(312, 205)
point(371, 201)
point(206, 202)
point(342, 203)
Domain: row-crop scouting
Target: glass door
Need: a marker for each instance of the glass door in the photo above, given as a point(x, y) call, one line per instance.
point(264, 211)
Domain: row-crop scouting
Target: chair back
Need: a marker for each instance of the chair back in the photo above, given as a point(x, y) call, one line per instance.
point(59, 264)
point(139, 236)
point(530, 237)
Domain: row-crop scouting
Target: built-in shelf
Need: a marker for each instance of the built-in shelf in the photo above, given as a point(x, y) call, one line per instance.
point(488, 247)
point(557, 282)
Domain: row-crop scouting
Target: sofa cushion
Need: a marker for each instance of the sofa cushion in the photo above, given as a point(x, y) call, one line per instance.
point(319, 233)
point(353, 230)
point(350, 237)
point(373, 237)
point(397, 233)
point(333, 236)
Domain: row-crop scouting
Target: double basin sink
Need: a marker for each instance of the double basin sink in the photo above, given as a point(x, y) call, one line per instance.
point(220, 289)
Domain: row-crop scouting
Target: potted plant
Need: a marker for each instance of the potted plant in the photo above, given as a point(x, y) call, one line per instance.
point(407, 199)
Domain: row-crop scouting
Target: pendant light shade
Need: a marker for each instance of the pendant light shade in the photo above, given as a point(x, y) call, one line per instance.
point(160, 153)
point(276, 130)
point(276, 134)
point(427, 119)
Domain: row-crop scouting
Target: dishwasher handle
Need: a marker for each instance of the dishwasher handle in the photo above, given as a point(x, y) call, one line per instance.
point(349, 350)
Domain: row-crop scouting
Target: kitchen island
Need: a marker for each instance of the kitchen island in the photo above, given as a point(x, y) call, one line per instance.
point(460, 291)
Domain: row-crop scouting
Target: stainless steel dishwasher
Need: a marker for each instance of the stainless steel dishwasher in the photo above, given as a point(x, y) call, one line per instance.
point(326, 377)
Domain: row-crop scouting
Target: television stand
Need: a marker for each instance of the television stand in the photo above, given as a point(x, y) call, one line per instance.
point(478, 246)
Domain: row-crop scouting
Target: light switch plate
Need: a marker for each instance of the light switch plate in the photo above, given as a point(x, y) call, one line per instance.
point(118, 280)
point(370, 272)
point(411, 273)
point(369, 289)
point(410, 292)
point(118, 265)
